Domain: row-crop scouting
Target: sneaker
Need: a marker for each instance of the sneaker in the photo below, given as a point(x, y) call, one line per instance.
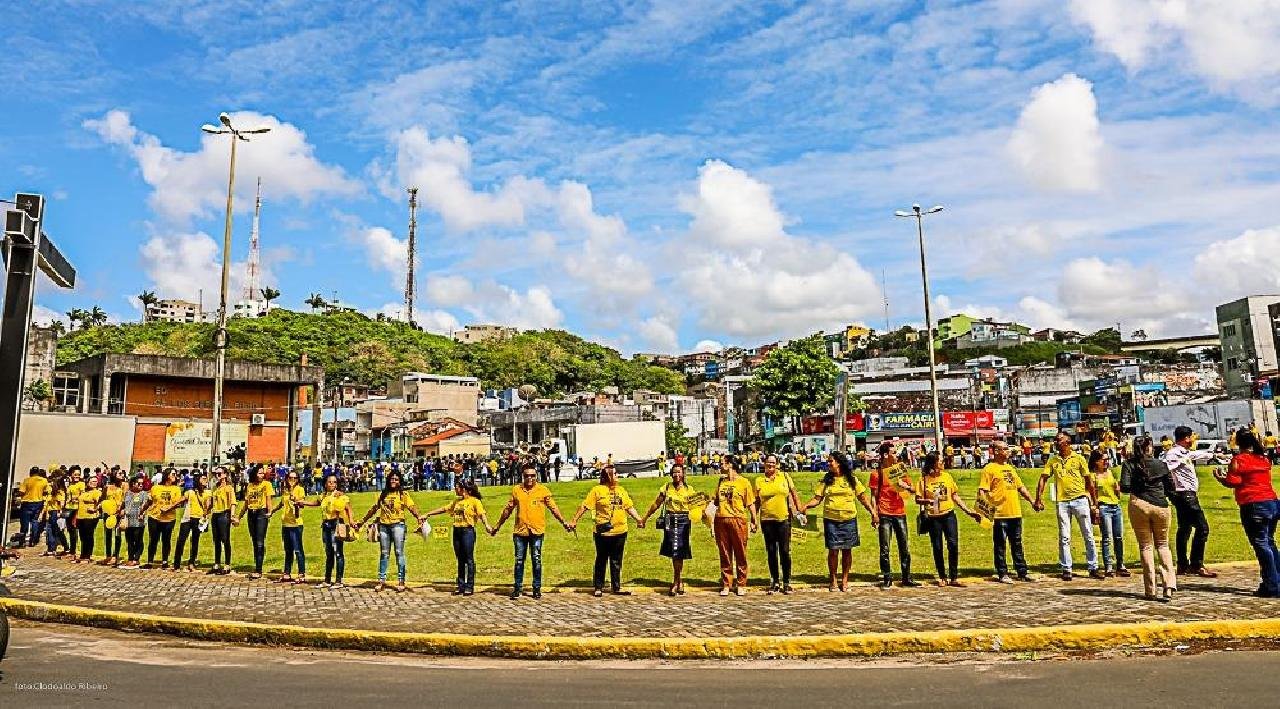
point(515, 595)
point(620, 592)
point(1096, 575)
point(724, 592)
point(1110, 574)
point(468, 592)
point(1026, 578)
point(787, 590)
point(1123, 573)
point(908, 583)
point(1003, 579)
point(740, 591)
point(597, 593)
point(456, 592)
point(1066, 576)
point(323, 584)
point(956, 584)
point(537, 593)
point(213, 572)
point(885, 584)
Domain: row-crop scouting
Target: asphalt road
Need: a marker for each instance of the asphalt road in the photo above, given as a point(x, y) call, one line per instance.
point(66, 666)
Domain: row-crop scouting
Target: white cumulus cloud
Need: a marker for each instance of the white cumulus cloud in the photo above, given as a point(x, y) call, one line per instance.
point(1244, 265)
point(656, 333)
point(1056, 142)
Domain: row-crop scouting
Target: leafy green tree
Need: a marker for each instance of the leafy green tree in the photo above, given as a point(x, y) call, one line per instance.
point(1107, 338)
point(38, 391)
point(316, 301)
point(148, 299)
point(96, 317)
point(269, 294)
point(797, 378)
point(678, 438)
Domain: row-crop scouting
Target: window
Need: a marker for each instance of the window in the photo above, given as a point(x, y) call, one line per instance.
point(66, 391)
point(1229, 331)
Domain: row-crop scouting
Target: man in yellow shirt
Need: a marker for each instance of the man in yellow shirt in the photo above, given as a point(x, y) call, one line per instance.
point(999, 488)
point(31, 494)
point(530, 500)
point(1269, 442)
point(1074, 485)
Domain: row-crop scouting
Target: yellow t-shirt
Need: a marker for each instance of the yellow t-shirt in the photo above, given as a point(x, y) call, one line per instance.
point(1001, 483)
point(465, 511)
point(1068, 474)
point(290, 515)
point(89, 500)
point(609, 507)
point(257, 494)
point(941, 488)
point(1166, 445)
point(73, 495)
point(1108, 488)
point(733, 497)
point(679, 499)
point(333, 505)
point(773, 496)
point(114, 494)
point(1046, 448)
point(391, 509)
point(162, 496)
point(531, 509)
point(55, 503)
point(224, 498)
point(839, 500)
point(33, 488)
point(1269, 442)
point(197, 503)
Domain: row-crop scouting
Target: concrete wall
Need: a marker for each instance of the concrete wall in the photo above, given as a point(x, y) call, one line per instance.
point(47, 438)
point(640, 440)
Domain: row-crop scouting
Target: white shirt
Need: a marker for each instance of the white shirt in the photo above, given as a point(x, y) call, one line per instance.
point(1182, 465)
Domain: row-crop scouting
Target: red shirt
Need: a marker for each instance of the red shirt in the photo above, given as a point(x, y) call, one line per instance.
point(888, 495)
point(1250, 476)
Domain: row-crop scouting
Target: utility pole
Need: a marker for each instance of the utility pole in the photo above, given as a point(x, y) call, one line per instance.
point(919, 215)
point(251, 288)
point(412, 249)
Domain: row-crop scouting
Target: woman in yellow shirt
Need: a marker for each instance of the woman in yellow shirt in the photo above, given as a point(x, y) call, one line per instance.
point(677, 498)
point(837, 494)
point(390, 508)
point(610, 506)
point(161, 511)
point(55, 525)
point(293, 497)
point(257, 505)
point(222, 509)
point(466, 510)
point(735, 503)
point(197, 506)
point(335, 509)
point(776, 497)
point(87, 517)
point(938, 497)
point(1110, 518)
point(112, 501)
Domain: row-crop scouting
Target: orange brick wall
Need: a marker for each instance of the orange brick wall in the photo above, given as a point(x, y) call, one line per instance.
point(266, 443)
point(148, 442)
point(193, 398)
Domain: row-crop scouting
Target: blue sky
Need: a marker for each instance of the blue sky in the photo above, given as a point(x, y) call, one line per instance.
point(668, 175)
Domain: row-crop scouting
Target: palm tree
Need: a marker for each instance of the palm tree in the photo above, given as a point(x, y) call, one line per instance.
point(316, 301)
point(148, 299)
point(76, 315)
point(269, 294)
point(58, 328)
point(97, 316)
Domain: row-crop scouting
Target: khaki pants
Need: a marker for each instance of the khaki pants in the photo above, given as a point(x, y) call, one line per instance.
point(1151, 526)
point(731, 542)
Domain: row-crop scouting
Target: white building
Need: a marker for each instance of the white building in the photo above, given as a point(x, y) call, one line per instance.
point(174, 311)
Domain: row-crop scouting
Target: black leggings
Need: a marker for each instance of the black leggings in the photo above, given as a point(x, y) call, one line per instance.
point(133, 537)
point(609, 552)
point(258, 534)
point(86, 527)
point(110, 539)
point(190, 528)
point(777, 542)
point(221, 525)
point(158, 531)
point(940, 528)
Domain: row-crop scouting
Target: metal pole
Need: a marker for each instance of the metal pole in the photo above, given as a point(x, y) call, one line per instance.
point(20, 287)
point(928, 323)
point(334, 454)
point(220, 333)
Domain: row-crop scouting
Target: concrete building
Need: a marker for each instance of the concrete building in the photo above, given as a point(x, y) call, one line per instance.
point(1036, 392)
point(472, 334)
point(982, 332)
point(455, 397)
point(174, 311)
point(1248, 337)
point(172, 399)
point(42, 354)
point(255, 308)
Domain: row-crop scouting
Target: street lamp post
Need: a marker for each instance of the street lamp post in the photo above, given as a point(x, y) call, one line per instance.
point(919, 214)
point(338, 396)
point(220, 334)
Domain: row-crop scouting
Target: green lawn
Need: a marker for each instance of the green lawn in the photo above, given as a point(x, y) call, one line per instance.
point(567, 558)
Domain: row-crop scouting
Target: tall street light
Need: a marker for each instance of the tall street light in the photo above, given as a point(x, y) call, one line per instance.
point(919, 214)
point(220, 334)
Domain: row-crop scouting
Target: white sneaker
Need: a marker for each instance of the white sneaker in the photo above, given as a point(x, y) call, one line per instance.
point(1005, 579)
point(322, 584)
point(740, 591)
point(724, 592)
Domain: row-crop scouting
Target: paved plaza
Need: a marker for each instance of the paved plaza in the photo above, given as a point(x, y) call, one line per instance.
point(574, 612)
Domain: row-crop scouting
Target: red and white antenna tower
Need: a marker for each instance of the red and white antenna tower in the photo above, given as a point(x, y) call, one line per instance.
point(251, 291)
point(413, 230)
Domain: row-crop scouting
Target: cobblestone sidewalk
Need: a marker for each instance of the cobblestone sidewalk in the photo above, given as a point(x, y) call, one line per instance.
point(863, 609)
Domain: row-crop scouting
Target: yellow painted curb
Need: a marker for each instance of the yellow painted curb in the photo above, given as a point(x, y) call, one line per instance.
point(1052, 638)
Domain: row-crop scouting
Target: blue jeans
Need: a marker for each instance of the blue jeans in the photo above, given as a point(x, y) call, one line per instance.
point(389, 534)
point(525, 545)
point(55, 536)
point(1259, 520)
point(333, 555)
point(29, 519)
point(1112, 535)
point(292, 537)
point(464, 550)
point(1077, 510)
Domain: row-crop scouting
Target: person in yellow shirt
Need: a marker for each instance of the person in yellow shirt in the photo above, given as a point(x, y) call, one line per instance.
point(838, 494)
point(1269, 442)
point(466, 510)
point(335, 511)
point(999, 488)
point(55, 525)
point(1075, 501)
point(87, 516)
point(1106, 498)
point(112, 502)
point(75, 488)
point(31, 497)
point(197, 505)
point(221, 511)
point(676, 498)
point(391, 506)
point(610, 506)
point(293, 497)
point(735, 504)
point(161, 511)
point(530, 500)
point(938, 497)
point(258, 505)
point(776, 498)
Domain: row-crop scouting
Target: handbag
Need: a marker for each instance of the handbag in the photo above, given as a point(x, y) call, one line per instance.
point(371, 533)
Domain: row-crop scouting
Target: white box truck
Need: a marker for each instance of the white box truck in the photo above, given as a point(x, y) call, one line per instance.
point(635, 443)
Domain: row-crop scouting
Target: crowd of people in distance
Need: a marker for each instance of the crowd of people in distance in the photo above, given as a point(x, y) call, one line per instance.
point(74, 507)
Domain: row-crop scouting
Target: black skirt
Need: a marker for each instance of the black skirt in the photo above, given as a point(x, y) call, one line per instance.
point(675, 537)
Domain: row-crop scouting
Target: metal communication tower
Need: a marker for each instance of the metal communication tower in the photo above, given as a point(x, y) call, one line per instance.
point(251, 291)
point(413, 229)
